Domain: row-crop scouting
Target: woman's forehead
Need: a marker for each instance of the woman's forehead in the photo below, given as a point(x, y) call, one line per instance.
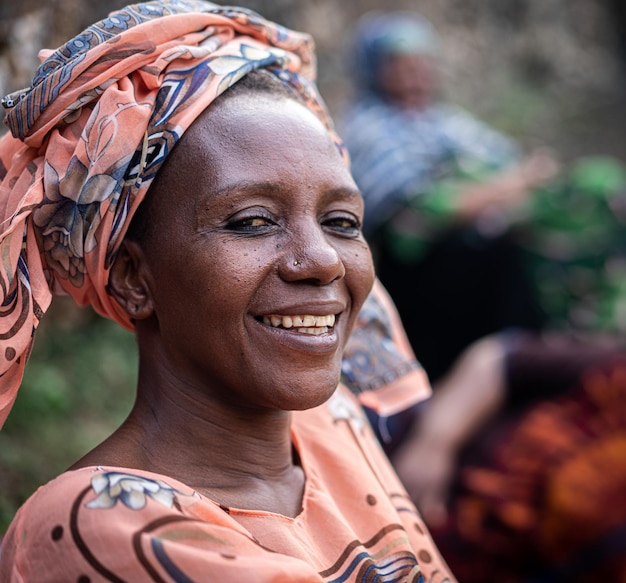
point(255, 138)
point(244, 113)
point(256, 128)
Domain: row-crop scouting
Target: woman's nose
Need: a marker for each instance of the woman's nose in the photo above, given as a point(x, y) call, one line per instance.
point(311, 256)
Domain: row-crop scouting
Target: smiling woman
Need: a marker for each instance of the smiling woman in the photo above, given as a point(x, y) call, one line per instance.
point(227, 237)
point(241, 223)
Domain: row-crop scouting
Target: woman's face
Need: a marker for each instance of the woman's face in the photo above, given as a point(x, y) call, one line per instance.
point(257, 263)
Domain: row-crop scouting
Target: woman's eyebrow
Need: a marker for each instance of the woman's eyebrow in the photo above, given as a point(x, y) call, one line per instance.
point(345, 194)
point(247, 187)
point(267, 187)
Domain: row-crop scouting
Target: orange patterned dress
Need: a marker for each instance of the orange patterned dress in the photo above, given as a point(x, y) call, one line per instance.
point(120, 524)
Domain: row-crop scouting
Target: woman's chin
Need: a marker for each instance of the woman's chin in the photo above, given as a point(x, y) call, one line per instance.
point(308, 396)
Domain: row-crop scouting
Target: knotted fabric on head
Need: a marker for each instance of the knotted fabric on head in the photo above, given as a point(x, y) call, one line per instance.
point(89, 135)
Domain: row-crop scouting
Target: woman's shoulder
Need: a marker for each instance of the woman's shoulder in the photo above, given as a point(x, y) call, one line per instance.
point(104, 487)
point(99, 494)
point(83, 504)
point(86, 514)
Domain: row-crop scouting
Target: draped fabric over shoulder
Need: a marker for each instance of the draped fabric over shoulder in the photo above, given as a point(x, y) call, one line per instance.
point(90, 133)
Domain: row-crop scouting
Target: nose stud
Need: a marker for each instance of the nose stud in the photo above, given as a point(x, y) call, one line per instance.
point(295, 263)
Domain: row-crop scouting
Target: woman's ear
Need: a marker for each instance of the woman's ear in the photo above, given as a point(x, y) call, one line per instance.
point(129, 281)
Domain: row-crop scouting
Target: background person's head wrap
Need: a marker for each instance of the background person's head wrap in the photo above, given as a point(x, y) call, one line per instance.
point(380, 34)
point(89, 135)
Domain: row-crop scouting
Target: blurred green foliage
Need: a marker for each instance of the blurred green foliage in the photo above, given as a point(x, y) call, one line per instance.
point(79, 386)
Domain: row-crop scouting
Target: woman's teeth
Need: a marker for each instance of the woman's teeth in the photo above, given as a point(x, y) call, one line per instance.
point(304, 324)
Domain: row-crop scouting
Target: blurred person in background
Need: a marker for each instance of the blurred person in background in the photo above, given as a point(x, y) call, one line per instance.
point(518, 461)
point(440, 190)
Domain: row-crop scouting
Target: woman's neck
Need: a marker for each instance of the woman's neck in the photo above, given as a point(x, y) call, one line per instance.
point(237, 457)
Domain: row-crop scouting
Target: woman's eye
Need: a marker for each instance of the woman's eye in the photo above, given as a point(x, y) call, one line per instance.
point(346, 225)
point(253, 223)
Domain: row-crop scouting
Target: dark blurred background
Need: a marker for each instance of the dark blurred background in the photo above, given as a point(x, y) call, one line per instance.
point(543, 71)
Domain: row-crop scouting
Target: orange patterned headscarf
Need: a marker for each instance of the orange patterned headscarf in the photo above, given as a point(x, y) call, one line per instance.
point(89, 135)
